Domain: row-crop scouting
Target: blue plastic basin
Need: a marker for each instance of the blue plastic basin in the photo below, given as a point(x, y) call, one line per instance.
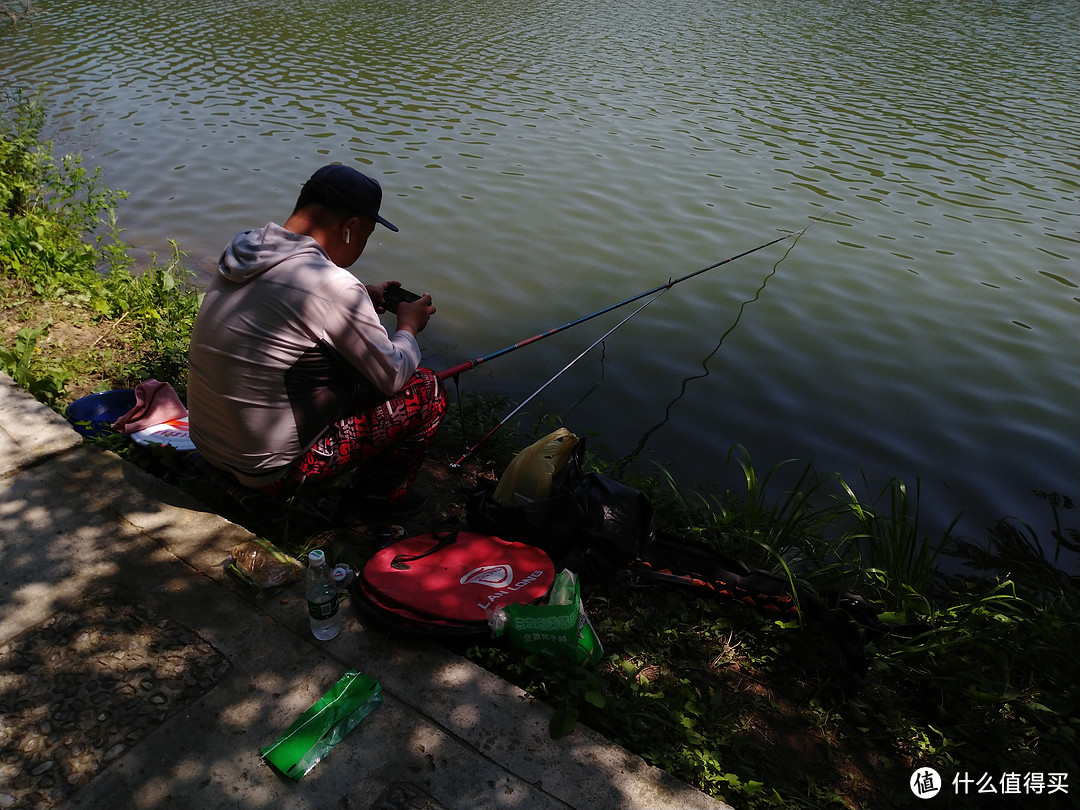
point(94, 414)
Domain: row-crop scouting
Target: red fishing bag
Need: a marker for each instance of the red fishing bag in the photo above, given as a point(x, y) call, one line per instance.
point(445, 583)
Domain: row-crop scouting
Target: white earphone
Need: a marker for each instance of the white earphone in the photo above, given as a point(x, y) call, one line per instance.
point(346, 236)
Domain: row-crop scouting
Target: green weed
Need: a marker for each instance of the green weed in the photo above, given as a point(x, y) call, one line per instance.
point(42, 378)
point(59, 241)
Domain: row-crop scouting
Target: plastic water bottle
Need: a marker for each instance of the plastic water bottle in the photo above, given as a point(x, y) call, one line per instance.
point(322, 598)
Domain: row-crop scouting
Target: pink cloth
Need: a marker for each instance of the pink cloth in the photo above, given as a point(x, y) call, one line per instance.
point(155, 402)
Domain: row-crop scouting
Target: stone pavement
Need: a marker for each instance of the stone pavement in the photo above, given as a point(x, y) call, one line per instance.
point(138, 675)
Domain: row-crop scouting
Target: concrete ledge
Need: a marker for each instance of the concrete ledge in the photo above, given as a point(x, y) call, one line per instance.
point(448, 735)
point(29, 431)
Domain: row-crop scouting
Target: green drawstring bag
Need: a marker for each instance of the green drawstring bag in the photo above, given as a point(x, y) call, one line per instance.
point(317, 731)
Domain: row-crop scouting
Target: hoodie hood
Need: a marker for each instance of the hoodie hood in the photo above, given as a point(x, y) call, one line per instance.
point(252, 253)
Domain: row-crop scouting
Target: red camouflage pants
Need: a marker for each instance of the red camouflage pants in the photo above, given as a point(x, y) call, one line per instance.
point(383, 447)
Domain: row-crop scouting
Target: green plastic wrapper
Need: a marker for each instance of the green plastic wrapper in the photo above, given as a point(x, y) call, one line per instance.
point(317, 731)
point(558, 628)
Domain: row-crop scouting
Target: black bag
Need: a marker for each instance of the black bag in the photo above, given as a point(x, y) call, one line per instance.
point(590, 523)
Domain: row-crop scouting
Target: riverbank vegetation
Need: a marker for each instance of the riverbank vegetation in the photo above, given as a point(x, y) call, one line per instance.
point(973, 674)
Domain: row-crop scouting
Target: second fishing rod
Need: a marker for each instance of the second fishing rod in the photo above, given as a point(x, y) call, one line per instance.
point(471, 364)
point(655, 293)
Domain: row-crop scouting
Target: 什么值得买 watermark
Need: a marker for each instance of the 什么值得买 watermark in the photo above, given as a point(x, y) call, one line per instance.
point(926, 783)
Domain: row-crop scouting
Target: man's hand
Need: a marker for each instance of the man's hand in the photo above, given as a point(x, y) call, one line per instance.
point(377, 291)
point(413, 316)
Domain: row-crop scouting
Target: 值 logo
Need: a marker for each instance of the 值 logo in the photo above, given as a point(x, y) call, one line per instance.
point(925, 783)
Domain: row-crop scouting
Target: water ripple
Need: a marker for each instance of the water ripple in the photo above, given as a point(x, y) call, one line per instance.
point(544, 164)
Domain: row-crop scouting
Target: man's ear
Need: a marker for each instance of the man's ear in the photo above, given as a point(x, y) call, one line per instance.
point(348, 227)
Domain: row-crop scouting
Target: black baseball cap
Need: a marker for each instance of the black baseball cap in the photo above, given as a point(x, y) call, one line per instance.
point(346, 189)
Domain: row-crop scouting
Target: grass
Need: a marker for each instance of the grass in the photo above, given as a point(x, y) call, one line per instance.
point(974, 673)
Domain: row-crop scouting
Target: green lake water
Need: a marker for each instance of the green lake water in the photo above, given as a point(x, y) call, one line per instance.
point(546, 159)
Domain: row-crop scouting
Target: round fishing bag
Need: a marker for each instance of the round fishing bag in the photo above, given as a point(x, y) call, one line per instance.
point(446, 583)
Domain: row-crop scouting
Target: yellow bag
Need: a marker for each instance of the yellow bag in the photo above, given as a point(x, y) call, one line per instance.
point(528, 476)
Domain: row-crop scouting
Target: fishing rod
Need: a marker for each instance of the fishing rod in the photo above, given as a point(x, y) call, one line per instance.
point(471, 364)
point(658, 292)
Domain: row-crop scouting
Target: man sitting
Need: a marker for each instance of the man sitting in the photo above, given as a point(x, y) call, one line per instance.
point(293, 379)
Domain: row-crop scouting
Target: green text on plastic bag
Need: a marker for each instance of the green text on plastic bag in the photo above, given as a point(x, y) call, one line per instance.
point(558, 628)
point(315, 733)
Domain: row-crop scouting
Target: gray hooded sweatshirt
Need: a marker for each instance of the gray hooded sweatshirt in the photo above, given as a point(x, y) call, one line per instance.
point(285, 344)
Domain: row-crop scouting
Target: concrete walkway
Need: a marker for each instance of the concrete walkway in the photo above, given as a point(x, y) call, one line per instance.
point(77, 522)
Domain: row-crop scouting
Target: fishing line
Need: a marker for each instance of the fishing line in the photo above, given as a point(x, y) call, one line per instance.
point(457, 464)
point(592, 389)
point(705, 363)
point(470, 364)
point(655, 292)
point(602, 360)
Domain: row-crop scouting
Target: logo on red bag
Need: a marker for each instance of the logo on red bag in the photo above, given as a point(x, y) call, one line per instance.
point(494, 576)
point(499, 578)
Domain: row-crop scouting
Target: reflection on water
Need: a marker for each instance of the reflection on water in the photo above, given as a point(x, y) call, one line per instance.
point(546, 161)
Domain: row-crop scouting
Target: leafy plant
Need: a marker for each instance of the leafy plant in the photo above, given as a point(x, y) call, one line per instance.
point(45, 381)
point(48, 207)
point(893, 553)
point(22, 161)
point(162, 303)
point(59, 239)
